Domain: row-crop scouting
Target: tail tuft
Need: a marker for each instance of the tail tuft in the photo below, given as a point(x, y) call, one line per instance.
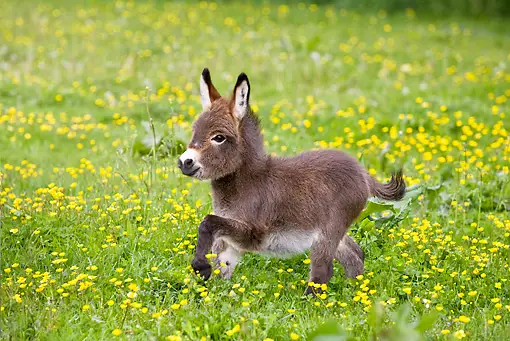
point(393, 190)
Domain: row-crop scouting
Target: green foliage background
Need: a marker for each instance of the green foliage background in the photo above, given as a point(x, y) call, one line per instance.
point(97, 230)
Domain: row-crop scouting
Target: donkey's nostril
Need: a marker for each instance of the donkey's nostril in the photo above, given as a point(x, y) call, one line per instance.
point(179, 163)
point(188, 163)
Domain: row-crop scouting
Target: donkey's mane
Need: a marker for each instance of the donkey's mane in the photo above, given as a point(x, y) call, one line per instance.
point(251, 134)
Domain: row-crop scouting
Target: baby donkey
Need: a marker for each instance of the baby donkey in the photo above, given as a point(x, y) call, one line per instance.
point(273, 205)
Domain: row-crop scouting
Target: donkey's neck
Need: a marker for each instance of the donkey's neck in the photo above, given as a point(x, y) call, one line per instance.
point(254, 158)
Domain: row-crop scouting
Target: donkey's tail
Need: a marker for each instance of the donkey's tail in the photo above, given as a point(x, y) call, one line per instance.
point(393, 190)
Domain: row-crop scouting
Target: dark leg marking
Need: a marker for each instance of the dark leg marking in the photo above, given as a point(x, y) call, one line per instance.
point(213, 227)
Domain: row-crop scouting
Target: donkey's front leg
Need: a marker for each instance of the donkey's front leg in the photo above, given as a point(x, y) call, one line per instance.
point(213, 227)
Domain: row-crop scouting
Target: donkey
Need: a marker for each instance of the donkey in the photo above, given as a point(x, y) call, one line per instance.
point(278, 206)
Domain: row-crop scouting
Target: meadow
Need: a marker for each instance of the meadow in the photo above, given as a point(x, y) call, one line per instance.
point(98, 226)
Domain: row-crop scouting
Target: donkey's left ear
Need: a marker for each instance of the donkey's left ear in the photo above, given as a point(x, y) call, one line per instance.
point(241, 97)
point(208, 92)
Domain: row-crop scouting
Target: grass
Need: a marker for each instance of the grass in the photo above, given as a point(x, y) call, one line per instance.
point(97, 238)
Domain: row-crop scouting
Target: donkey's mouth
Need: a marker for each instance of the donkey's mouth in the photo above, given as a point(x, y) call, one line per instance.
point(191, 172)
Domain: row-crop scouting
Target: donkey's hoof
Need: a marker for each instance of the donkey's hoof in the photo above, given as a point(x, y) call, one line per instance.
point(354, 268)
point(354, 272)
point(312, 291)
point(203, 268)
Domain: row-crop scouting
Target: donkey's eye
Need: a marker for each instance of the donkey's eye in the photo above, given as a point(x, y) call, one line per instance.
point(219, 139)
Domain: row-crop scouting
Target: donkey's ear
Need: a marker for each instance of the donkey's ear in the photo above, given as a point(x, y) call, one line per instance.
point(208, 92)
point(241, 97)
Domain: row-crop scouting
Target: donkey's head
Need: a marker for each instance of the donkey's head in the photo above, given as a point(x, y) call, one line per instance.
point(216, 148)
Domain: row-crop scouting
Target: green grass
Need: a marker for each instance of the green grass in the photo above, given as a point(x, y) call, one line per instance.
point(84, 216)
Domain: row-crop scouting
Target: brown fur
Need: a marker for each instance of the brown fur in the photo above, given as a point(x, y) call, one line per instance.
point(277, 205)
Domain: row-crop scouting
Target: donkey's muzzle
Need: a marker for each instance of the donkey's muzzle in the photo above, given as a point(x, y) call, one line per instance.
point(187, 167)
point(188, 162)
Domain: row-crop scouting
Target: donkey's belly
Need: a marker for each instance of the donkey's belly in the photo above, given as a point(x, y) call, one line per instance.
point(287, 243)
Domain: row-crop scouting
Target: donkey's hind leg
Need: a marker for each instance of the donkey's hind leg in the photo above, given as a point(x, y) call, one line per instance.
point(227, 259)
point(322, 256)
point(351, 256)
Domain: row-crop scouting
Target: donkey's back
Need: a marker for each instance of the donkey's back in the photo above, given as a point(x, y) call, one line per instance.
point(295, 193)
point(319, 185)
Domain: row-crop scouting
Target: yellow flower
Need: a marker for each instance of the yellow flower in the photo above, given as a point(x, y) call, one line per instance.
point(117, 332)
point(459, 334)
point(294, 336)
point(234, 330)
point(464, 319)
point(18, 298)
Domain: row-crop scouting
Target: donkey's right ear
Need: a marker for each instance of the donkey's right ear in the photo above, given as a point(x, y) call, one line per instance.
point(208, 92)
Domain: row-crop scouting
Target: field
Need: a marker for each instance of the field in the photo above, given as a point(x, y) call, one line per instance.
point(97, 232)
